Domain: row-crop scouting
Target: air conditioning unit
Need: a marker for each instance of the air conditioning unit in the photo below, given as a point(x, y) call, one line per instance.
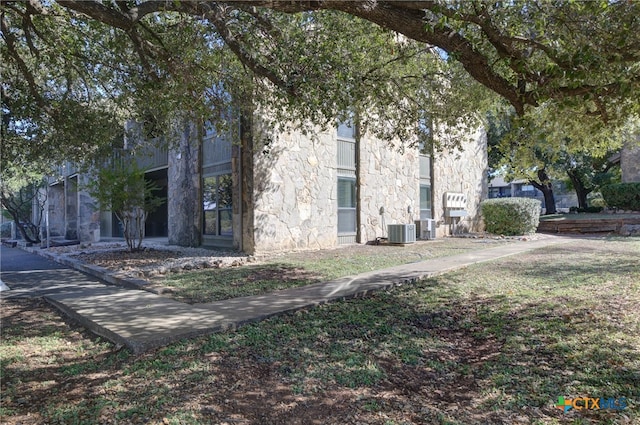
point(426, 229)
point(402, 233)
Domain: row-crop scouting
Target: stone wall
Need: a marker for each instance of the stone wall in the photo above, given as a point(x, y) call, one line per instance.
point(71, 208)
point(295, 191)
point(389, 180)
point(295, 187)
point(184, 191)
point(88, 220)
point(465, 171)
point(630, 161)
point(56, 208)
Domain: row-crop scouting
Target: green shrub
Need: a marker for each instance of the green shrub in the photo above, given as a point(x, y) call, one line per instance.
point(596, 200)
point(511, 216)
point(625, 196)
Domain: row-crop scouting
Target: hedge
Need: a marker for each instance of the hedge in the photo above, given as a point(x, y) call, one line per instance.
point(511, 216)
point(625, 196)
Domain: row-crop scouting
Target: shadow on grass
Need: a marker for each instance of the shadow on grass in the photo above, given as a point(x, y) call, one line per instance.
point(219, 284)
point(497, 355)
point(475, 346)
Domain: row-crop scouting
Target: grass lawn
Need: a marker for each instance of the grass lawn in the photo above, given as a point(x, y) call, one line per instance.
point(298, 269)
point(495, 343)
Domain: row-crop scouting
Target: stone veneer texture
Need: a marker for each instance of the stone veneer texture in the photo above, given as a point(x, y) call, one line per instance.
point(630, 161)
point(461, 171)
point(295, 199)
point(295, 204)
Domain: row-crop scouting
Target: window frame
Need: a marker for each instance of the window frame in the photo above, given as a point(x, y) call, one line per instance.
point(426, 213)
point(351, 209)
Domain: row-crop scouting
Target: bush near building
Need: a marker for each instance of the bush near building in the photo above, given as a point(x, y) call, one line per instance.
point(511, 216)
point(624, 196)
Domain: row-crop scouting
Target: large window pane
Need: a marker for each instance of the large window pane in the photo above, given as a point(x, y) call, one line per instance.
point(425, 202)
point(425, 197)
point(210, 222)
point(225, 191)
point(346, 205)
point(209, 192)
point(346, 193)
point(346, 220)
point(216, 202)
point(226, 223)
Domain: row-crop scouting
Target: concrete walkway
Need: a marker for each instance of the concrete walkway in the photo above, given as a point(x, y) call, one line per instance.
point(141, 320)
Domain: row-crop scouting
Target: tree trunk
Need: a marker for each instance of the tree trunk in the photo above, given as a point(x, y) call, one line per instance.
point(185, 184)
point(544, 185)
point(31, 236)
point(580, 188)
point(246, 183)
point(30, 231)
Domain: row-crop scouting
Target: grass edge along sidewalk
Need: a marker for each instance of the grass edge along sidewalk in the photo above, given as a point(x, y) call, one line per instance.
point(143, 321)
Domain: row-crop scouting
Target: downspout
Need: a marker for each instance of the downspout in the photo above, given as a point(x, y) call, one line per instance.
point(358, 182)
point(432, 159)
point(240, 185)
point(47, 214)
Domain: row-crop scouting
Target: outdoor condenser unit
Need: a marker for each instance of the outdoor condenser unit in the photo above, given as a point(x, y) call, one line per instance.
point(402, 233)
point(426, 229)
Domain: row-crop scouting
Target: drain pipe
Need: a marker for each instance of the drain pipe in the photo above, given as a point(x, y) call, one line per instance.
point(241, 185)
point(241, 198)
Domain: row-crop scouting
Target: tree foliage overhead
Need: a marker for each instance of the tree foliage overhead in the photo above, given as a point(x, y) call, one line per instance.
point(526, 51)
point(73, 71)
point(544, 146)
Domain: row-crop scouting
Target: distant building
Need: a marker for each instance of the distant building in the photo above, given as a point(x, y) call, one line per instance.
point(499, 188)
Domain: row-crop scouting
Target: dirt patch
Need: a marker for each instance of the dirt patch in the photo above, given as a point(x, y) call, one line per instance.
point(124, 260)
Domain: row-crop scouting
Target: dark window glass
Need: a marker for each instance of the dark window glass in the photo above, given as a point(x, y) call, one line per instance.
point(216, 203)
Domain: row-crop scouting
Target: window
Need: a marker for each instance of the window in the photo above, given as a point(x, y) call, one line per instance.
point(347, 192)
point(217, 202)
point(499, 192)
point(346, 205)
point(425, 201)
point(346, 130)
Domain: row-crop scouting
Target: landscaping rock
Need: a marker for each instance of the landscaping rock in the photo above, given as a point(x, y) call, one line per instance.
point(630, 230)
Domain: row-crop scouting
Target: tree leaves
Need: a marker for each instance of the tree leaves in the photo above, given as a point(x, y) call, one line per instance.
point(147, 60)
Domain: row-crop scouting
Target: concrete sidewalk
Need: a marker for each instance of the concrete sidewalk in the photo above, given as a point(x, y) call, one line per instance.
point(141, 320)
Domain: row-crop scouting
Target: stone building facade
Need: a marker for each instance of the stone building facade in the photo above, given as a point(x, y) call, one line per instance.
point(630, 161)
point(300, 192)
point(342, 187)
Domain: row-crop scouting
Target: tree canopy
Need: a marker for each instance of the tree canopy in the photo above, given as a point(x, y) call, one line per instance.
point(74, 70)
